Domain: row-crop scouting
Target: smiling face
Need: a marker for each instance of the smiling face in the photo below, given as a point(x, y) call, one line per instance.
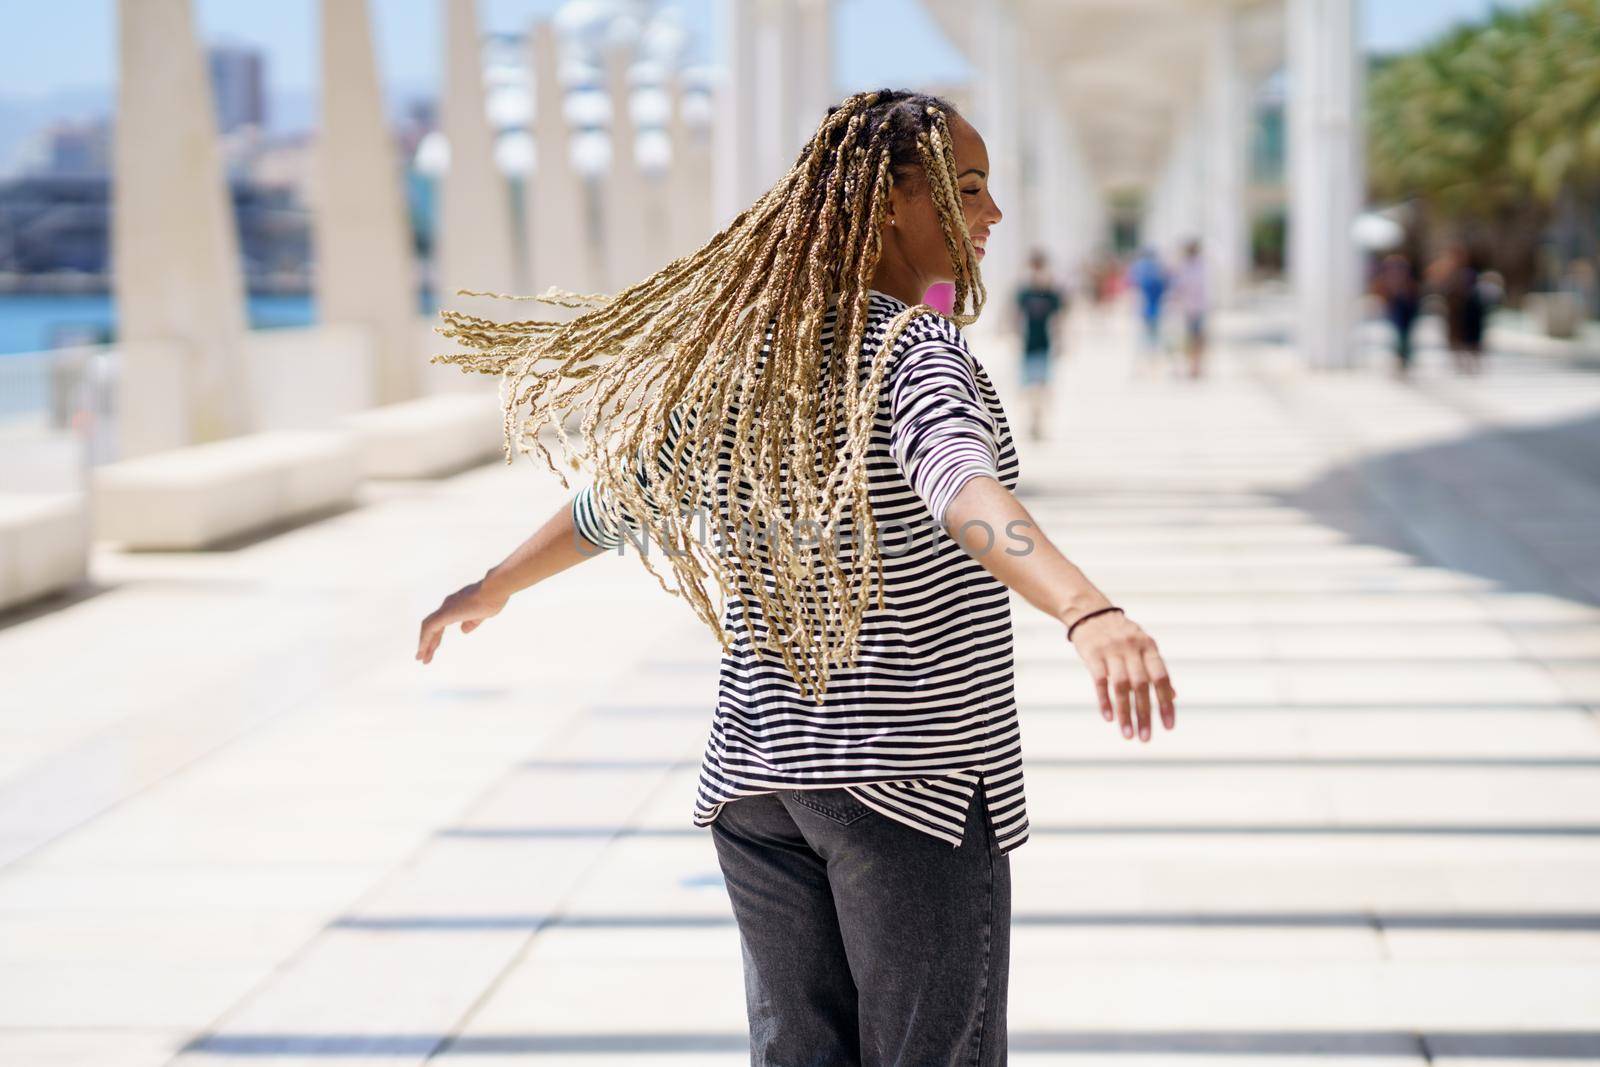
point(914, 253)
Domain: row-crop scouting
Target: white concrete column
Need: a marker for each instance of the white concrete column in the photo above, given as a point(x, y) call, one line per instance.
point(177, 277)
point(688, 181)
point(996, 47)
point(1176, 211)
point(1183, 187)
point(1059, 187)
point(814, 73)
point(1052, 185)
point(1324, 175)
point(475, 242)
point(735, 127)
point(1225, 243)
point(777, 54)
point(555, 202)
point(1086, 215)
point(628, 257)
point(365, 270)
point(1156, 225)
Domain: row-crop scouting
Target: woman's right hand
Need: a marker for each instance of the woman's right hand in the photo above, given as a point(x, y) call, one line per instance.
point(1122, 658)
point(469, 606)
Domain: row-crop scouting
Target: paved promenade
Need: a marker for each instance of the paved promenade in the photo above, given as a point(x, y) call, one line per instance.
point(240, 825)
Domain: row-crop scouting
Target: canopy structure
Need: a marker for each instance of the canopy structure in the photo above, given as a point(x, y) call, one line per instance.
point(1080, 100)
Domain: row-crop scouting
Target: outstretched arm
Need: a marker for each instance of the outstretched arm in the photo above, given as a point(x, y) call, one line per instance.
point(989, 521)
point(585, 527)
point(947, 445)
point(549, 550)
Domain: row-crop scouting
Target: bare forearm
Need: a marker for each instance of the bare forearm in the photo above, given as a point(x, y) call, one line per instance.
point(549, 550)
point(987, 519)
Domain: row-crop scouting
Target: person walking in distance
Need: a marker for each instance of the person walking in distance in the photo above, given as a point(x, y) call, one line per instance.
point(1041, 305)
point(1189, 291)
point(1400, 289)
point(1148, 279)
point(1455, 276)
point(784, 388)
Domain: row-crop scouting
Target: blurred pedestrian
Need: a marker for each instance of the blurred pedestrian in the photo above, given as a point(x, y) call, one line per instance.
point(1148, 278)
point(1399, 288)
point(1113, 277)
point(1189, 291)
point(1455, 277)
point(1039, 309)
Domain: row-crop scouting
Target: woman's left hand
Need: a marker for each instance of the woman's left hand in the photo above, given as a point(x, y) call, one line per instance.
point(1123, 659)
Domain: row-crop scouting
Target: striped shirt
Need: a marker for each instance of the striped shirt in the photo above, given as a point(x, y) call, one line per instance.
point(929, 708)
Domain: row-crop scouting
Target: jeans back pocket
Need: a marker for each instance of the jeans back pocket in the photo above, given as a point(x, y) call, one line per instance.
point(837, 804)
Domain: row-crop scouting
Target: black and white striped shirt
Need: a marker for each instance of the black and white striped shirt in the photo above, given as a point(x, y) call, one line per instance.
point(929, 707)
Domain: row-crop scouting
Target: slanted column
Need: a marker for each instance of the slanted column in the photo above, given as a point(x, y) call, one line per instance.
point(475, 239)
point(624, 219)
point(1051, 187)
point(177, 278)
point(1057, 181)
point(1084, 209)
point(1184, 186)
point(735, 172)
point(555, 202)
point(365, 271)
point(814, 69)
point(1156, 225)
point(688, 180)
point(1325, 174)
point(1226, 101)
point(777, 44)
point(996, 47)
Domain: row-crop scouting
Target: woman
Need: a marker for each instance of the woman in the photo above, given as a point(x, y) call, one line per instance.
point(862, 778)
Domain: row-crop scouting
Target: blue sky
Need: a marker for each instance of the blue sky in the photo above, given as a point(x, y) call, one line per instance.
point(69, 44)
point(57, 56)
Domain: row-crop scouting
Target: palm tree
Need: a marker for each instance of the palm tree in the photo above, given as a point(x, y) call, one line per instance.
point(1495, 126)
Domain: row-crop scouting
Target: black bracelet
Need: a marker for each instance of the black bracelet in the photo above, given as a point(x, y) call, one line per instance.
point(1086, 618)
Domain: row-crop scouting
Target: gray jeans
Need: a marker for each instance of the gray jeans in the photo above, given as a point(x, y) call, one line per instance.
point(866, 943)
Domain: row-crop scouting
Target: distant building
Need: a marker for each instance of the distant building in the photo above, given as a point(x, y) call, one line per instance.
point(67, 149)
point(52, 227)
point(76, 149)
point(238, 85)
point(53, 224)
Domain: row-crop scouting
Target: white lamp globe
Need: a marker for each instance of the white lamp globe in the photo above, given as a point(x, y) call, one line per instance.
point(432, 158)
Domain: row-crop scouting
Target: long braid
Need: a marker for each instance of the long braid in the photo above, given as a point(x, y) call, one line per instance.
point(729, 338)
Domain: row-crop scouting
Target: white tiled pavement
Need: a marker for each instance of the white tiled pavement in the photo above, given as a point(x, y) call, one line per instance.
point(240, 825)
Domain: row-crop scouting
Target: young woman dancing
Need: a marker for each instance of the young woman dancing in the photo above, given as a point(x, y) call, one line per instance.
point(828, 471)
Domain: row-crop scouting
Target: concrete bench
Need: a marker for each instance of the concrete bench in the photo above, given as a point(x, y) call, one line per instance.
point(44, 544)
point(199, 495)
point(430, 436)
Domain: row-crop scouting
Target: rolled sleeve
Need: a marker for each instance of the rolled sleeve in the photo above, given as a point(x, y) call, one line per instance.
point(605, 521)
point(596, 518)
point(941, 434)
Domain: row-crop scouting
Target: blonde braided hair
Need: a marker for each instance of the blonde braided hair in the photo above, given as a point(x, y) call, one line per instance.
point(731, 334)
